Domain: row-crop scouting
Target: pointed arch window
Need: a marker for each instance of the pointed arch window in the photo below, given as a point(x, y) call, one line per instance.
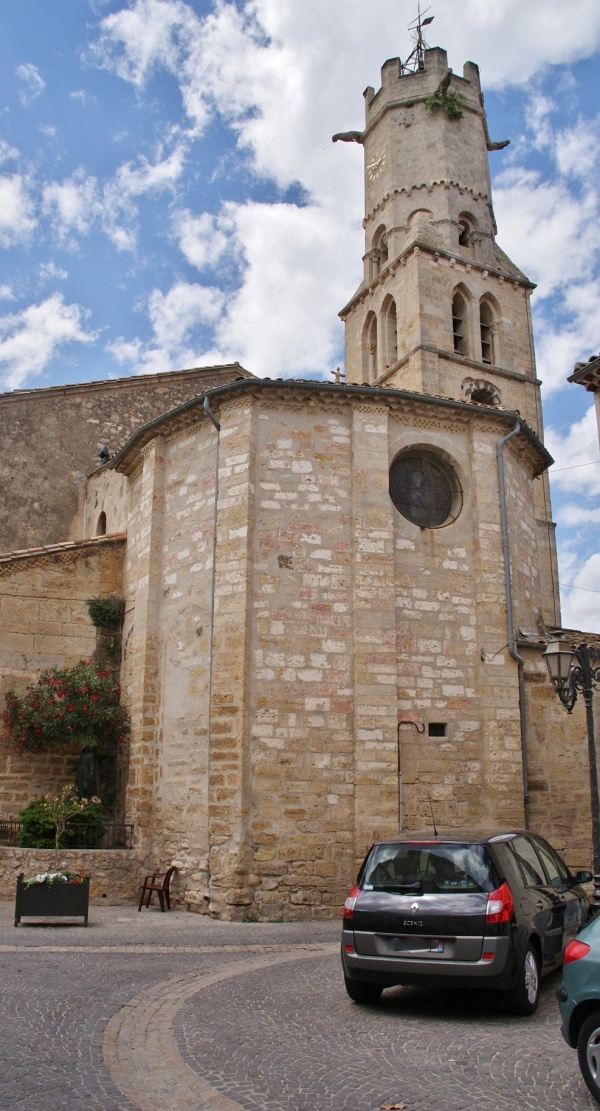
point(460, 323)
point(101, 525)
point(487, 327)
point(369, 348)
point(389, 321)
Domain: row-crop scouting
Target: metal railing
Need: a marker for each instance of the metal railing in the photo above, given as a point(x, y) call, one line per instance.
point(112, 835)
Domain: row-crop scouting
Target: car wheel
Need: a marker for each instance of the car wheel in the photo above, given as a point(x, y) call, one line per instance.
point(525, 996)
point(362, 992)
point(588, 1051)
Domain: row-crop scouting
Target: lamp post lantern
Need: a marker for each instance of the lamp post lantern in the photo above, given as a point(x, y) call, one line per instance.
point(573, 670)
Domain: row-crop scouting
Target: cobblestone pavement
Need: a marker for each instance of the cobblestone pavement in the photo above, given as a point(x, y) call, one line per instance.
point(151, 1011)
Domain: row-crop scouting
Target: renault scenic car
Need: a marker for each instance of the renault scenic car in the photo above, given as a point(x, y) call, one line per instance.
point(492, 910)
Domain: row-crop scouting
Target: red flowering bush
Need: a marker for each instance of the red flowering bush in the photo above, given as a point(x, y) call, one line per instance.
point(76, 704)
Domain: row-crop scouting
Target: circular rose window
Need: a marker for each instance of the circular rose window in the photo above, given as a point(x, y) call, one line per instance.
point(424, 489)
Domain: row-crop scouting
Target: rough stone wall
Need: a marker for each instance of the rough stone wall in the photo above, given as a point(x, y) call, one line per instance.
point(51, 439)
point(115, 877)
point(106, 494)
point(559, 783)
point(453, 668)
point(334, 618)
point(44, 623)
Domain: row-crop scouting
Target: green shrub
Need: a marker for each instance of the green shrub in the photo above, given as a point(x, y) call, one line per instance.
point(66, 704)
point(105, 613)
point(83, 829)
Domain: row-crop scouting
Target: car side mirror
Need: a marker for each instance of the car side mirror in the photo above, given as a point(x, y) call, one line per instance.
point(583, 876)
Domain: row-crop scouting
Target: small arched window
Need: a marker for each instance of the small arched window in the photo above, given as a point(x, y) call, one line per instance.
point(369, 348)
point(480, 391)
point(466, 226)
point(487, 329)
point(101, 525)
point(460, 324)
point(379, 251)
point(389, 332)
point(464, 234)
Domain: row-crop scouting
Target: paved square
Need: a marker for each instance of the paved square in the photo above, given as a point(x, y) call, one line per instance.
point(151, 1011)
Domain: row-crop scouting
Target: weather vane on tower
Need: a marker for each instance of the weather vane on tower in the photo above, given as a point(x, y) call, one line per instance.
point(416, 60)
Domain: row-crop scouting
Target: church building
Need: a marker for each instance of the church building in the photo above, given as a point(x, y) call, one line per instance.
point(336, 594)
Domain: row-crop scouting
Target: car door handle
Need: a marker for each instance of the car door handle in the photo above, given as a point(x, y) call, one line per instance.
point(539, 904)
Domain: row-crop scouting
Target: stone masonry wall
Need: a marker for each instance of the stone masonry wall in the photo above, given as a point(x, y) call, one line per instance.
point(334, 619)
point(51, 439)
point(115, 877)
point(44, 623)
point(559, 784)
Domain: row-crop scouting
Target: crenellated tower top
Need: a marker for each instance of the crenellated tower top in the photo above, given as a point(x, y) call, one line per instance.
point(427, 188)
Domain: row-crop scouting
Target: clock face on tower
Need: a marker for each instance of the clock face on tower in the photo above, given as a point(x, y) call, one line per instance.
point(375, 166)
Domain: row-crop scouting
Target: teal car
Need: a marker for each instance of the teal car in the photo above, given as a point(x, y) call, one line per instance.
point(579, 1001)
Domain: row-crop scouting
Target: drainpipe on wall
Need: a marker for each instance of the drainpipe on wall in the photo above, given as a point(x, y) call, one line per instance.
point(509, 610)
point(214, 421)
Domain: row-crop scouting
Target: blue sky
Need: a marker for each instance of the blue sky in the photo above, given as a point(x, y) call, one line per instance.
point(170, 196)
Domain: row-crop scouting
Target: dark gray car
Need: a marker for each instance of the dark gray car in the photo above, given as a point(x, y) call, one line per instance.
point(493, 909)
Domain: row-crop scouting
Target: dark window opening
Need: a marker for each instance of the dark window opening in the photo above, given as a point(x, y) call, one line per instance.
point(437, 729)
point(484, 397)
point(486, 323)
point(101, 526)
point(459, 324)
point(391, 334)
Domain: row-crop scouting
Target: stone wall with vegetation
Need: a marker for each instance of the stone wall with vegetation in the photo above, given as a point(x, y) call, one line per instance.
point(44, 623)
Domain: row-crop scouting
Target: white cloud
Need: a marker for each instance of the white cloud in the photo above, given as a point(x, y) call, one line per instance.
point(151, 177)
point(547, 228)
point(17, 219)
point(83, 96)
point(72, 205)
point(574, 516)
point(281, 322)
point(580, 606)
point(571, 450)
point(577, 149)
point(7, 153)
point(175, 317)
point(30, 339)
point(137, 40)
point(203, 239)
point(50, 272)
point(30, 82)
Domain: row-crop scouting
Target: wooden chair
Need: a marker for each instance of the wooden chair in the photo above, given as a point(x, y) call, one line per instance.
point(159, 882)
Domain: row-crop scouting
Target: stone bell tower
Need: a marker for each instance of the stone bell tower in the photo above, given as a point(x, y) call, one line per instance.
point(441, 309)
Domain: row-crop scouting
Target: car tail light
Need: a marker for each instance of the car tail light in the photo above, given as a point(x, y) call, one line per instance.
point(350, 901)
point(499, 905)
point(575, 950)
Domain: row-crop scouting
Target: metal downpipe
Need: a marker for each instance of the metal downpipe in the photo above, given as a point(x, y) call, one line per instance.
point(214, 421)
point(509, 610)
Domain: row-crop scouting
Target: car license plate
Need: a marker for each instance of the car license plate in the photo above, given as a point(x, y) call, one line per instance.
point(411, 944)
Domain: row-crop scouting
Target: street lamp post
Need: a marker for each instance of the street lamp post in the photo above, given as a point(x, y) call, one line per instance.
point(572, 670)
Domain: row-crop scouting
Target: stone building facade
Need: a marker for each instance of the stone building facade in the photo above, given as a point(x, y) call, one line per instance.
point(337, 595)
point(50, 440)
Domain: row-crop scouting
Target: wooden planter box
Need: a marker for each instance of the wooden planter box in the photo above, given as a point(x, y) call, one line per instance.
point(52, 900)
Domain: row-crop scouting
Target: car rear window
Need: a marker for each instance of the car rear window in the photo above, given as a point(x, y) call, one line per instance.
point(428, 868)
